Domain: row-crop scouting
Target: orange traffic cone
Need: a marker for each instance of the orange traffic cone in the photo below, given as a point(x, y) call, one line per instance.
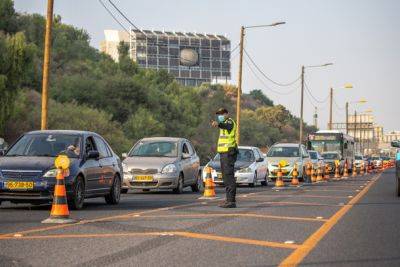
point(59, 210)
point(209, 188)
point(354, 174)
point(319, 173)
point(337, 170)
point(362, 172)
point(346, 170)
point(369, 168)
point(279, 179)
point(308, 170)
point(313, 175)
point(326, 175)
point(295, 174)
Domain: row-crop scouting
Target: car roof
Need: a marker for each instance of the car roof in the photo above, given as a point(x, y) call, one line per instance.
point(73, 132)
point(169, 139)
point(330, 152)
point(286, 145)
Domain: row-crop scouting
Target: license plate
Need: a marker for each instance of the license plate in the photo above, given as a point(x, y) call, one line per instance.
point(14, 185)
point(144, 178)
point(219, 176)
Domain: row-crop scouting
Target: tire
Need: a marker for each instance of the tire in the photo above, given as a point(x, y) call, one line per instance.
point(179, 186)
point(265, 182)
point(115, 193)
point(124, 190)
point(253, 184)
point(78, 194)
point(198, 186)
point(398, 187)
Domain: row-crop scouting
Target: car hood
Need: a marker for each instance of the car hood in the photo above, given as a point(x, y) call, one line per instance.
point(274, 161)
point(216, 165)
point(148, 162)
point(28, 163)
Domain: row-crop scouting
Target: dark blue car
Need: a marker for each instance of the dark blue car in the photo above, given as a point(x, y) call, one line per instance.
point(27, 171)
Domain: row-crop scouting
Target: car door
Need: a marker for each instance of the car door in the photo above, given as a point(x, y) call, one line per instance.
point(305, 158)
point(92, 169)
point(106, 165)
point(259, 164)
point(186, 163)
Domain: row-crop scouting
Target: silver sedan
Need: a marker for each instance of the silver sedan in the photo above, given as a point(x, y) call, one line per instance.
point(162, 163)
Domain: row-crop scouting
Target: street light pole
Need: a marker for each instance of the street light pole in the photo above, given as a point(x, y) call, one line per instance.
point(330, 109)
point(239, 89)
point(355, 128)
point(301, 106)
point(46, 64)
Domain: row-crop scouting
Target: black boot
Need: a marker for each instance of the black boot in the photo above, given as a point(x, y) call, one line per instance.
point(228, 205)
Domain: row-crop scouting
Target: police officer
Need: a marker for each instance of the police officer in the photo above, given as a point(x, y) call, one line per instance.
point(228, 151)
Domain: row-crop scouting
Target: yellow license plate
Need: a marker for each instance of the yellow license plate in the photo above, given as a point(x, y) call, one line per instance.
point(14, 185)
point(144, 178)
point(219, 176)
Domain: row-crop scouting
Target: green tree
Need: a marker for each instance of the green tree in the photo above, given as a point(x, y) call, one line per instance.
point(143, 124)
point(258, 95)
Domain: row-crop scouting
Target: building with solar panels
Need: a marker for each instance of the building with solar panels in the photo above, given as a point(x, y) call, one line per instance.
point(192, 58)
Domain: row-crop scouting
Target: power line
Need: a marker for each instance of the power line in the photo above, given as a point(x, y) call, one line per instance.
point(266, 86)
point(336, 104)
point(112, 15)
point(315, 99)
point(122, 14)
point(268, 78)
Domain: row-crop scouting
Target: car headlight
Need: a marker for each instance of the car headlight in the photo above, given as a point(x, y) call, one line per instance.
point(50, 173)
point(170, 168)
point(245, 170)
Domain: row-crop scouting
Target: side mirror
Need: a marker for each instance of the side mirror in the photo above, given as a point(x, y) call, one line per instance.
point(93, 154)
point(395, 143)
point(2, 152)
point(124, 155)
point(185, 156)
point(260, 160)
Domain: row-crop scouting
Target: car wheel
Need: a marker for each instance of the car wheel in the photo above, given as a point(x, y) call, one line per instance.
point(78, 194)
point(124, 190)
point(198, 186)
point(398, 187)
point(115, 194)
point(265, 182)
point(179, 186)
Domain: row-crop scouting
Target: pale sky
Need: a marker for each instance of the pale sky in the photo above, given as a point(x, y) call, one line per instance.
point(361, 38)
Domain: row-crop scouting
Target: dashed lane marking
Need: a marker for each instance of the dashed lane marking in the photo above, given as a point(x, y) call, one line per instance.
point(300, 253)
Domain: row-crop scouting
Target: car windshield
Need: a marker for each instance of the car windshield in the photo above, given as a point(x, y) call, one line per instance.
point(358, 157)
point(375, 158)
point(330, 156)
point(46, 145)
point(246, 155)
point(284, 152)
point(313, 155)
point(155, 149)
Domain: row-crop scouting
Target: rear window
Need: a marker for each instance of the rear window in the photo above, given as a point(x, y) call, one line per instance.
point(330, 156)
point(358, 157)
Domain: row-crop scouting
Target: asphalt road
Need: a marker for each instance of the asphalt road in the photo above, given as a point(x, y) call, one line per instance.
point(353, 222)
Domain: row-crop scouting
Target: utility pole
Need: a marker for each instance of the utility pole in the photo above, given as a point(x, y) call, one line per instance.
point(315, 117)
point(347, 117)
point(301, 106)
point(239, 89)
point(46, 64)
point(330, 109)
point(355, 128)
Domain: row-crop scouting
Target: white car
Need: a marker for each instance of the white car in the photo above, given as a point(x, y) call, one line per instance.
point(250, 167)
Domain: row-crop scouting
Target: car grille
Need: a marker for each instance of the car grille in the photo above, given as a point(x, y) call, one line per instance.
point(18, 174)
point(144, 171)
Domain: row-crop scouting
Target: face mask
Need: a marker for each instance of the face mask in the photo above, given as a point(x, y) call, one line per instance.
point(221, 118)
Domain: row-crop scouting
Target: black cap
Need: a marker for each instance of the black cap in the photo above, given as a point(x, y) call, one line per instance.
point(222, 111)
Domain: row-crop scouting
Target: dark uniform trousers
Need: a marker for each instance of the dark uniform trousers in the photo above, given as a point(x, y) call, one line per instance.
point(228, 160)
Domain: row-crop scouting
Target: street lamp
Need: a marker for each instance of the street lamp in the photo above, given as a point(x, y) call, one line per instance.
point(239, 89)
point(302, 95)
point(361, 101)
point(346, 86)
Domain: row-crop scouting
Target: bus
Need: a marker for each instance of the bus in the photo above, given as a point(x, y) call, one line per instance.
point(333, 141)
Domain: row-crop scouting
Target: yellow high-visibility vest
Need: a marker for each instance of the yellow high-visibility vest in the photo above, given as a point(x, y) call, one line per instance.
point(227, 139)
